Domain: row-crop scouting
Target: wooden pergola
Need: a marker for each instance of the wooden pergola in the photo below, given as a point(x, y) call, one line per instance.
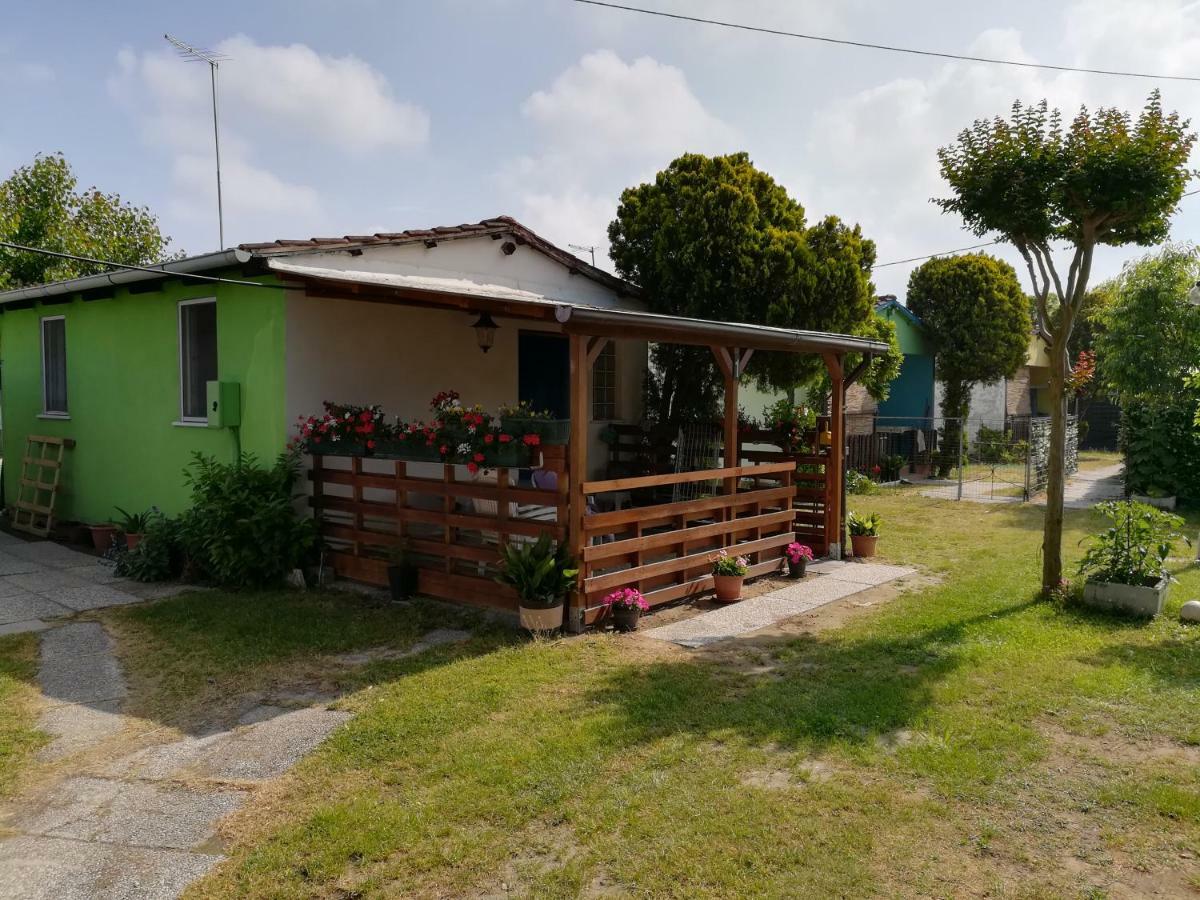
point(663, 548)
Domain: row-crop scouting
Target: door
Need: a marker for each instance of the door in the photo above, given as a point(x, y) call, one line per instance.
point(544, 372)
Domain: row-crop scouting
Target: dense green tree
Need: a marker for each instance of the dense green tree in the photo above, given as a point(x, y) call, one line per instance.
point(40, 207)
point(977, 319)
point(716, 238)
point(1105, 180)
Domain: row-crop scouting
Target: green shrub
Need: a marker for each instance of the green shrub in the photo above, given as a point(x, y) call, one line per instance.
point(242, 530)
point(1162, 446)
point(858, 483)
point(158, 557)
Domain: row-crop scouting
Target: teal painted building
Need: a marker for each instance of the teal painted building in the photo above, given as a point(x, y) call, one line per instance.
point(911, 394)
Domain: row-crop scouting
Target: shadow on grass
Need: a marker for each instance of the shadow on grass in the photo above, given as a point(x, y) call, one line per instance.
point(821, 691)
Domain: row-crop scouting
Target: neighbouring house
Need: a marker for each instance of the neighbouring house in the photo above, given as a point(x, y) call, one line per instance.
point(142, 369)
point(1027, 392)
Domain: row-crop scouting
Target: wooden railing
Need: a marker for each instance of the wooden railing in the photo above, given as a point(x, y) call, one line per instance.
point(453, 525)
point(666, 550)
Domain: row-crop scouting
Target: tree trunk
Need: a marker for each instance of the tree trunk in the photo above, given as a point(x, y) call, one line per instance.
point(1056, 466)
point(956, 399)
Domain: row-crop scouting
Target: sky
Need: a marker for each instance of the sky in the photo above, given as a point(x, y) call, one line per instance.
point(378, 115)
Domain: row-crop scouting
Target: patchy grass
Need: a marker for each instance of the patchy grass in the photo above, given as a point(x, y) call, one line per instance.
point(19, 736)
point(966, 739)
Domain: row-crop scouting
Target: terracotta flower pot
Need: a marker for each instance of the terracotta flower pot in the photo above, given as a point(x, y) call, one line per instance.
point(729, 587)
point(863, 544)
point(132, 540)
point(625, 618)
point(536, 619)
point(796, 569)
point(102, 536)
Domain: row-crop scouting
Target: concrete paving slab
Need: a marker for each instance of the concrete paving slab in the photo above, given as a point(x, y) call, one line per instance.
point(823, 566)
point(26, 606)
point(24, 627)
point(16, 565)
point(76, 726)
point(8, 588)
point(759, 612)
point(95, 574)
point(93, 596)
point(77, 665)
point(135, 813)
point(50, 554)
point(44, 868)
point(869, 573)
point(47, 582)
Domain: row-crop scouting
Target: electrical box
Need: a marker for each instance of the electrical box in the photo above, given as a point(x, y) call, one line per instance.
point(224, 406)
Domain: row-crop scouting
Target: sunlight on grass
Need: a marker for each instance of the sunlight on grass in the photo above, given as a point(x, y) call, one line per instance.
point(19, 737)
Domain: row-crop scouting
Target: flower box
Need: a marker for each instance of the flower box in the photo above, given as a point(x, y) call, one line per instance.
point(416, 451)
point(510, 456)
point(551, 431)
point(1136, 599)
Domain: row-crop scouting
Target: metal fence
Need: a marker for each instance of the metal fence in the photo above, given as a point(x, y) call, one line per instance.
point(992, 460)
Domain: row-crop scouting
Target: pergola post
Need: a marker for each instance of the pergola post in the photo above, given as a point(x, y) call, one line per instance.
point(834, 474)
point(577, 471)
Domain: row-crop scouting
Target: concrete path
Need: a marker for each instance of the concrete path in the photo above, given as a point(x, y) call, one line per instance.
point(833, 581)
point(143, 824)
point(1085, 489)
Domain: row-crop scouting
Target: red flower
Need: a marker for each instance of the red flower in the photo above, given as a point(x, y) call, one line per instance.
point(316, 440)
point(365, 415)
point(532, 440)
point(368, 428)
point(478, 457)
point(472, 468)
point(370, 445)
point(488, 438)
point(505, 438)
point(443, 449)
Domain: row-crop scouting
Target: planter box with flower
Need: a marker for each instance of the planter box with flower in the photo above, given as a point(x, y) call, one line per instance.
point(543, 575)
point(729, 573)
point(626, 607)
point(864, 532)
point(1126, 566)
point(524, 419)
point(794, 427)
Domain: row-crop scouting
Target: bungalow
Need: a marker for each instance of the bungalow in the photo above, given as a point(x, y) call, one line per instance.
point(221, 354)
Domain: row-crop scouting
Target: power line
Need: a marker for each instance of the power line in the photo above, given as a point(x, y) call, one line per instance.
point(869, 46)
point(153, 270)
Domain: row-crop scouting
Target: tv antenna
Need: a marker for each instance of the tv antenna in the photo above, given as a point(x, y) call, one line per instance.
point(196, 54)
point(585, 249)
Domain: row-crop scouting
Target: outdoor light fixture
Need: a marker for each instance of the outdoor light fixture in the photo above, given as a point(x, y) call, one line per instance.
point(1194, 294)
point(485, 331)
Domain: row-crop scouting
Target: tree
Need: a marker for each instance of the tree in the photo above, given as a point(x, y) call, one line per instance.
point(1106, 180)
point(40, 207)
point(977, 319)
point(716, 238)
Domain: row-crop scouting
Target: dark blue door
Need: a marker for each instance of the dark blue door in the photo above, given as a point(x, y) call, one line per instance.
point(544, 372)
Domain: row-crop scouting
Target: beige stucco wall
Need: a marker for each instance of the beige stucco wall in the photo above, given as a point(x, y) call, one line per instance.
point(399, 356)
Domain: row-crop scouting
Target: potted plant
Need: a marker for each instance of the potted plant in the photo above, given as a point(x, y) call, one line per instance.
point(133, 526)
point(543, 575)
point(864, 532)
point(1126, 565)
point(626, 607)
point(728, 574)
point(403, 574)
point(524, 419)
point(793, 426)
point(102, 535)
point(798, 557)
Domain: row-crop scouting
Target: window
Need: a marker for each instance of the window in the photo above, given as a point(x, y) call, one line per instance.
point(54, 366)
point(604, 384)
point(197, 356)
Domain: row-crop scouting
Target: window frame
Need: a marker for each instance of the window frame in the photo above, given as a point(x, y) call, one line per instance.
point(610, 349)
point(183, 418)
point(47, 412)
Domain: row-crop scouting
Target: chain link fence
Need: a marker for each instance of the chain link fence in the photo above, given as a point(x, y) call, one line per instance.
point(996, 460)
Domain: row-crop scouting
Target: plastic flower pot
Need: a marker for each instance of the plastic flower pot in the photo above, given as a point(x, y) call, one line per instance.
point(729, 587)
point(625, 618)
point(102, 536)
point(402, 581)
point(863, 544)
point(538, 619)
point(796, 569)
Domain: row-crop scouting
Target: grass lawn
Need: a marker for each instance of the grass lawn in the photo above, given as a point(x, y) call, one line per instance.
point(19, 739)
point(963, 739)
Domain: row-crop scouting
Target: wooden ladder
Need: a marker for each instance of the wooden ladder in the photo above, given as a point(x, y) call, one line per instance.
point(37, 491)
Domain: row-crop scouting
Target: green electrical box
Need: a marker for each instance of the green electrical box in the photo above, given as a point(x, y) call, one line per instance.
point(224, 404)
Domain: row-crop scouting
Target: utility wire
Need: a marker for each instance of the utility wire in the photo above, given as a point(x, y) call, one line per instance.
point(869, 46)
point(154, 270)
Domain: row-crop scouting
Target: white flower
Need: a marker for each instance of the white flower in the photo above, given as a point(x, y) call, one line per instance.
point(464, 448)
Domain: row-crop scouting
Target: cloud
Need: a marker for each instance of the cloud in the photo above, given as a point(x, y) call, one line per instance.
point(272, 99)
point(602, 125)
point(881, 142)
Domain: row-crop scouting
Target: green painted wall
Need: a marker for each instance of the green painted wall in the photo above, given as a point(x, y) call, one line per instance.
point(123, 393)
point(913, 341)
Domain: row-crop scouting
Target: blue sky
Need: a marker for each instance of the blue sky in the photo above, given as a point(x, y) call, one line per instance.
point(365, 115)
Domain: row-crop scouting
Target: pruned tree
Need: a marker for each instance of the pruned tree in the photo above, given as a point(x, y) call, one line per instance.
point(40, 207)
point(1105, 180)
point(977, 319)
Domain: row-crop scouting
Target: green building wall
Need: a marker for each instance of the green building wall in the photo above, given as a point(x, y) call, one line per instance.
point(123, 393)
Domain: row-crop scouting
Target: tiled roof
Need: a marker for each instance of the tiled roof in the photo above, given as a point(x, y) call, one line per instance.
point(498, 227)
